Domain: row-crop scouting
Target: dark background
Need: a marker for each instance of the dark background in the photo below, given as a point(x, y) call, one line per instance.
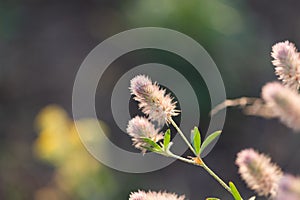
point(43, 43)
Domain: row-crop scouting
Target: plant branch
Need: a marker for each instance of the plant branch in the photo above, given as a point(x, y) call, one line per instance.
point(183, 136)
point(215, 176)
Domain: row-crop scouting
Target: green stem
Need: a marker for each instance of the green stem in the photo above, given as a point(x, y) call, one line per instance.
point(170, 154)
point(203, 165)
point(183, 136)
point(215, 176)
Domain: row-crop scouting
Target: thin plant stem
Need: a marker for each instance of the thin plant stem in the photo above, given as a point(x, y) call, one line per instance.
point(183, 136)
point(170, 154)
point(215, 176)
point(205, 167)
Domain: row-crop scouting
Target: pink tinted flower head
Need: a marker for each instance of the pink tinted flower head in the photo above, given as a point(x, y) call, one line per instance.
point(258, 172)
point(141, 195)
point(153, 101)
point(140, 86)
point(289, 188)
point(139, 128)
point(287, 64)
point(284, 102)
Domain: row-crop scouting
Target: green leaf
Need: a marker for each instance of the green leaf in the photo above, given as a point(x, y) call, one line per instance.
point(167, 139)
point(212, 198)
point(149, 149)
point(154, 145)
point(196, 139)
point(234, 191)
point(209, 139)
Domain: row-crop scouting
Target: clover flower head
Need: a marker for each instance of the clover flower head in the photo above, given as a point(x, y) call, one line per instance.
point(258, 172)
point(287, 64)
point(289, 188)
point(284, 102)
point(153, 101)
point(141, 195)
point(139, 128)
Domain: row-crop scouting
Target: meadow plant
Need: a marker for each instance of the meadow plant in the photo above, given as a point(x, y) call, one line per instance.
point(289, 188)
point(278, 100)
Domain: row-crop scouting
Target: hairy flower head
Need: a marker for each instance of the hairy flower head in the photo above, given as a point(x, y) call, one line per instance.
point(289, 188)
point(284, 102)
point(141, 195)
point(287, 64)
point(258, 172)
point(139, 128)
point(153, 101)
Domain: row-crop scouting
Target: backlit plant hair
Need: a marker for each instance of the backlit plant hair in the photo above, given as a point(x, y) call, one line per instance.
point(278, 100)
point(159, 107)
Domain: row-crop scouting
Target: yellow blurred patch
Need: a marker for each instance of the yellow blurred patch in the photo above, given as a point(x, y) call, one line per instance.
point(58, 143)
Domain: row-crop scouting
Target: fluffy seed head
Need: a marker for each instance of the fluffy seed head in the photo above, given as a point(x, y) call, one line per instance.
point(287, 64)
point(153, 101)
point(289, 188)
point(139, 128)
point(258, 172)
point(141, 195)
point(284, 102)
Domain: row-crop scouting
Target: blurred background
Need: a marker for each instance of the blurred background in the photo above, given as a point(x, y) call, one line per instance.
point(42, 45)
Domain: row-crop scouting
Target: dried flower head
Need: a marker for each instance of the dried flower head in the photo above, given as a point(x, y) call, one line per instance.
point(287, 64)
point(289, 188)
point(153, 100)
point(139, 128)
point(258, 172)
point(259, 108)
point(141, 195)
point(284, 102)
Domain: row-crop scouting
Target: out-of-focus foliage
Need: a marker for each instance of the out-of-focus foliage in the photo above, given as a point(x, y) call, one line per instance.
point(193, 16)
point(77, 175)
point(223, 27)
